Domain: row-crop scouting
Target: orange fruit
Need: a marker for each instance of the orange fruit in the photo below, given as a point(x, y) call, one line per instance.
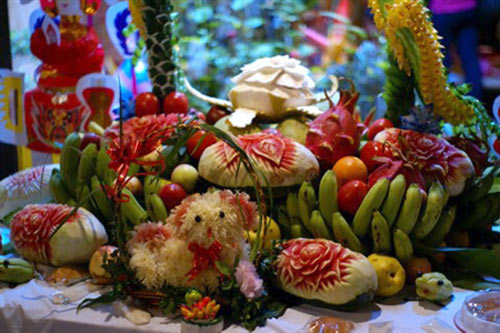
point(350, 168)
point(458, 239)
point(416, 267)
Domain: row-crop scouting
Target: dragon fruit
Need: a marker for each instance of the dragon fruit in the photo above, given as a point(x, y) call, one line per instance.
point(435, 158)
point(335, 133)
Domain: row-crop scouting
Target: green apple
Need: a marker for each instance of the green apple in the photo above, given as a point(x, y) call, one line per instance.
point(185, 175)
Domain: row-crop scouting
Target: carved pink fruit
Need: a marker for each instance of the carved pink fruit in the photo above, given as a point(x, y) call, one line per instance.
point(335, 133)
point(73, 243)
point(436, 158)
point(319, 269)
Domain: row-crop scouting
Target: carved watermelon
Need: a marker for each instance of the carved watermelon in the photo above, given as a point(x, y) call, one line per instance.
point(283, 161)
point(73, 243)
point(322, 270)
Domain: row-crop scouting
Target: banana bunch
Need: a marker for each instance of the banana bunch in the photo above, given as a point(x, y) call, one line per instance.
point(307, 215)
point(82, 178)
point(389, 217)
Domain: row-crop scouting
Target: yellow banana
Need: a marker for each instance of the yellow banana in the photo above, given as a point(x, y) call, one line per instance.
point(15, 270)
point(307, 201)
point(297, 229)
point(156, 208)
point(320, 230)
point(344, 234)
point(392, 203)
point(70, 157)
point(328, 196)
point(381, 234)
point(442, 228)
point(372, 201)
point(403, 247)
point(292, 205)
point(410, 210)
point(433, 208)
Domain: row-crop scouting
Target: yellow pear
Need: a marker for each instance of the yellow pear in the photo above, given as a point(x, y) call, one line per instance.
point(391, 275)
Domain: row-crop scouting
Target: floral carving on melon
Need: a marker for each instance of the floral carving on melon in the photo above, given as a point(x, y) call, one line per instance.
point(436, 158)
point(281, 160)
point(324, 270)
point(31, 229)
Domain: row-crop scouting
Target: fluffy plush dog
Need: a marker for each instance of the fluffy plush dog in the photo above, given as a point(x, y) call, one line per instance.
point(203, 229)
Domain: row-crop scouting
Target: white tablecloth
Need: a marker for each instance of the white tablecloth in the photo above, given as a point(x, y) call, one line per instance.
point(28, 308)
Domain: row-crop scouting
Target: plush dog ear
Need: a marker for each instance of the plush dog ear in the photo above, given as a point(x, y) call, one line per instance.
point(177, 214)
point(247, 208)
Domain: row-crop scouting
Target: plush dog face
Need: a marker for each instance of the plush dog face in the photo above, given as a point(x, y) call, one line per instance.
point(218, 216)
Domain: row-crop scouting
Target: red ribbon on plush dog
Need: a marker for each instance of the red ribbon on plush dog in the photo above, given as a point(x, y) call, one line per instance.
point(203, 258)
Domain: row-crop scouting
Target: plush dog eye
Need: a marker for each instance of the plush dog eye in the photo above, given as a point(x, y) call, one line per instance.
point(221, 214)
point(440, 282)
point(197, 218)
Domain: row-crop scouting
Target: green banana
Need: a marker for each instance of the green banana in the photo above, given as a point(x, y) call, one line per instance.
point(403, 247)
point(102, 202)
point(132, 209)
point(475, 215)
point(297, 229)
point(328, 196)
point(442, 228)
point(372, 201)
point(307, 201)
point(87, 165)
point(392, 203)
point(83, 195)
point(292, 205)
point(344, 234)
point(320, 230)
point(57, 189)
point(381, 234)
point(156, 208)
point(481, 188)
point(284, 221)
point(15, 270)
point(433, 208)
point(70, 158)
point(103, 171)
point(410, 210)
point(493, 213)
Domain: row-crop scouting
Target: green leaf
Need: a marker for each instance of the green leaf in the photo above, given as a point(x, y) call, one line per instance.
point(223, 268)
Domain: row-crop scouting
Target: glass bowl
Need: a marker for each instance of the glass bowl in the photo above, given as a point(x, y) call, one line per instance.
point(480, 312)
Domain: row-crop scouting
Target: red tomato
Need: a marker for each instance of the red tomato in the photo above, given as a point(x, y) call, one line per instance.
point(172, 195)
point(191, 144)
point(374, 149)
point(146, 103)
point(378, 126)
point(176, 102)
point(351, 195)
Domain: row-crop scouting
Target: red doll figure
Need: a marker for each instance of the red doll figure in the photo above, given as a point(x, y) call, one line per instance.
point(68, 52)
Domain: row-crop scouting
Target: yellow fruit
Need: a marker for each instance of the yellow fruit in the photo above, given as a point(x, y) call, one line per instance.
point(391, 275)
point(272, 233)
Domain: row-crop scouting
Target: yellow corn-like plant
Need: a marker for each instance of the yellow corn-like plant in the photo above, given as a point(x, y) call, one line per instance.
point(135, 7)
point(415, 45)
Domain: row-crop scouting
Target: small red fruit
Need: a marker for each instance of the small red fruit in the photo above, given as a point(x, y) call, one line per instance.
point(192, 143)
point(215, 113)
point(371, 150)
point(89, 138)
point(350, 196)
point(176, 102)
point(378, 126)
point(146, 103)
point(172, 195)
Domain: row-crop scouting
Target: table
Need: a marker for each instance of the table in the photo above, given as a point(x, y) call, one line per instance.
point(28, 308)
